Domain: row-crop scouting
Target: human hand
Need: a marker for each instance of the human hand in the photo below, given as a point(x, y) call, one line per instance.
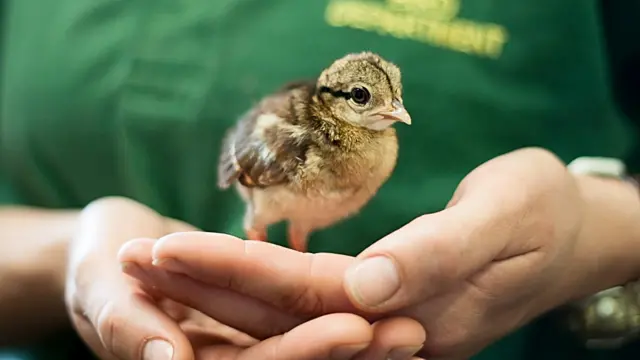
point(288, 308)
point(114, 315)
point(121, 317)
point(520, 236)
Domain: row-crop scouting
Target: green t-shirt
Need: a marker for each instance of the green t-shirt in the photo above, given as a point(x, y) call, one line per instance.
point(104, 97)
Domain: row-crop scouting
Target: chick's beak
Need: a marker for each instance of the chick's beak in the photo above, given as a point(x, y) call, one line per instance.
point(399, 113)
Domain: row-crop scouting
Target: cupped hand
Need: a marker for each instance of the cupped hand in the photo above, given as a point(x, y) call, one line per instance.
point(120, 318)
point(520, 236)
point(116, 317)
point(300, 331)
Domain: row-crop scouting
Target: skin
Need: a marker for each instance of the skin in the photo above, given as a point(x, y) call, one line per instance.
point(532, 240)
point(118, 316)
point(32, 243)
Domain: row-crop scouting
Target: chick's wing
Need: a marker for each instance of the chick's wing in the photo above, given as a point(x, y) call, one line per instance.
point(262, 150)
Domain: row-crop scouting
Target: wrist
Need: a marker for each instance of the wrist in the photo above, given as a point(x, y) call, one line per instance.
point(37, 242)
point(608, 244)
point(48, 265)
point(54, 258)
point(33, 272)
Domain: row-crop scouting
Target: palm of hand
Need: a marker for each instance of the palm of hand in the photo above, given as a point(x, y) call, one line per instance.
point(467, 286)
point(205, 334)
point(270, 329)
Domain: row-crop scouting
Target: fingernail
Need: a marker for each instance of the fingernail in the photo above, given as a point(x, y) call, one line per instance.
point(167, 264)
point(132, 269)
point(404, 353)
point(157, 350)
point(373, 281)
point(347, 351)
point(125, 266)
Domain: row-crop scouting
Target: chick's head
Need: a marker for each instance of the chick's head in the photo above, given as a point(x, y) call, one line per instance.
point(364, 90)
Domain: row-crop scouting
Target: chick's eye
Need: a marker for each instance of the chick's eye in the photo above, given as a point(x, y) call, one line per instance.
point(360, 95)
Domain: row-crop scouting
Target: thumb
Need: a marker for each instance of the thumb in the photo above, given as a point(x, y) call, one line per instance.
point(132, 327)
point(425, 257)
point(492, 205)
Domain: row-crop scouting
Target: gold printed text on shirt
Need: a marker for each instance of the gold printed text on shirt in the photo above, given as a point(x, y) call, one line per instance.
point(434, 22)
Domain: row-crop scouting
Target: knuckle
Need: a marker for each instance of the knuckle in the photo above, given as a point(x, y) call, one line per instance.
point(546, 162)
point(116, 205)
point(273, 325)
point(445, 257)
point(541, 154)
point(446, 269)
point(454, 340)
point(113, 201)
point(305, 300)
point(73, 303)
point(78, 289)
point(79, 281)
point(107, 323)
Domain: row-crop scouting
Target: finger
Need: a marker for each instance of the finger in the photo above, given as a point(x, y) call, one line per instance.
point(427, 256)
point(200, 327)
point(247, 314)
point(334, 336)
point(131, 327)
point(203, 333)
point(302, 284)
point(126, 321)
point(394, 338)
point(87, 333)
point(107, 223)
point(439, 250)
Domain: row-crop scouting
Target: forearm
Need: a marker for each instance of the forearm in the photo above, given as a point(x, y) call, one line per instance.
point(608, 246)
point(38, 246)
point(33, 247)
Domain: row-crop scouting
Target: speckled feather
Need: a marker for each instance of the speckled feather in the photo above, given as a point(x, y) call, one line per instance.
point(293, 157)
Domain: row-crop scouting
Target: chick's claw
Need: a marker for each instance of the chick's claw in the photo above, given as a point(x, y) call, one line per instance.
point(297, 239)
point(257, 235)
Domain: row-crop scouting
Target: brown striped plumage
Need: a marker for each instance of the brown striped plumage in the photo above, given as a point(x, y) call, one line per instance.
point(314, 153)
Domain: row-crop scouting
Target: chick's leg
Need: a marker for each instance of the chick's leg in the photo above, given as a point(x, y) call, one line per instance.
point(253, 228)
point(298, 237)
point(256, 234)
